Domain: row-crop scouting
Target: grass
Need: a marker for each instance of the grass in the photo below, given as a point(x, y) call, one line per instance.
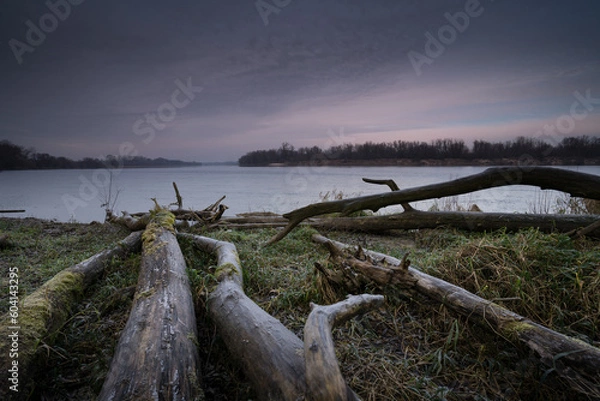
point(412, 349)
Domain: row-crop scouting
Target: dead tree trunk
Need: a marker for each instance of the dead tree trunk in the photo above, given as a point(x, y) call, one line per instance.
point(471, 221)
point(42, 313)
point(572, 182)
point(157, 358)
point(574, 360)
point(272, 357)
point(270, 354)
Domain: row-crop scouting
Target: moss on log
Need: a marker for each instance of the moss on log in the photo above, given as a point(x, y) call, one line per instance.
point(43, 313)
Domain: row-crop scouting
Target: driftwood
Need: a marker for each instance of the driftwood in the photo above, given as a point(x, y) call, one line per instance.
point(575, 183)
point(323, 375)
point(138, 221)
point(157, 358)
point(42, 313)
point(393, 186)
point(582, 232)
point(574, 360)
point(272, 357)
point(472, 221)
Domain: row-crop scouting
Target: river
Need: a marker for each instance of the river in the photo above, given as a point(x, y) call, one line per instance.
point(77, 195)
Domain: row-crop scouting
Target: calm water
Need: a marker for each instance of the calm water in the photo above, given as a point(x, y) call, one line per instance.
point(77, 195)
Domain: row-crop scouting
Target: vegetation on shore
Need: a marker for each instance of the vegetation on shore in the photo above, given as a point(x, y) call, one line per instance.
point(413, 348)
point(441, 152)
point(14, 157)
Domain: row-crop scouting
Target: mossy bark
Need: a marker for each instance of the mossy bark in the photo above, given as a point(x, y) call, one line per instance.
point(270, 354)
point(43, 313)
point(157, 356)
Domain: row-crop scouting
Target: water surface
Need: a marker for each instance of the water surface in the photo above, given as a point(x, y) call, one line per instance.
point(77, 195)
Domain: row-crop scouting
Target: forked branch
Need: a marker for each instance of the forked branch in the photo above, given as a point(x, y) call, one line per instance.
point(572, 182)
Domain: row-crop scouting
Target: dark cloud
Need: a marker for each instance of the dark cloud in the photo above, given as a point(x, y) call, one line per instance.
point(317, 65)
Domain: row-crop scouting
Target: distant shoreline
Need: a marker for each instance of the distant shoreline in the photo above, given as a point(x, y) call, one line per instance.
point(436, 162)
point(107, 168)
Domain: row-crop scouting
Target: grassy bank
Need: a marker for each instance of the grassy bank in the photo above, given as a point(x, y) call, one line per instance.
point(412, 349)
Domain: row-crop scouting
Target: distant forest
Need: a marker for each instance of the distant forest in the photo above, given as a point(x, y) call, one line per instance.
point(14, 157)
point(571, 150)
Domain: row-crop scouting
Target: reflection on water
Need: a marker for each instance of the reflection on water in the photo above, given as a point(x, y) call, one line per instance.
point(77, 195)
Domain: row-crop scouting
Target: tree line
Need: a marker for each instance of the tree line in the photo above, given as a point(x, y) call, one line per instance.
point(570, 149)
point(15, 157)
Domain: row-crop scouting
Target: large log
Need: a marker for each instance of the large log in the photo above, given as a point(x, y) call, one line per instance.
point(472, 221)
point(572, 182)
point(42, 313)
point(574, 360)
point(271, 356)
point(157, 357)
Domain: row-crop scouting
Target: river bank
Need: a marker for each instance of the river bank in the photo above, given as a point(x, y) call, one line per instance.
point(413, 348)
point(525, 161)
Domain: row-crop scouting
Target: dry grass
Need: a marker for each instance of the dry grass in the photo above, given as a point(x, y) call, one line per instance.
point(412, 349)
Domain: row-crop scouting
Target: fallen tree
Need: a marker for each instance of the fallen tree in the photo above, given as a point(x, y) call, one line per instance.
point(42, 313)
point(156, 357)
point(574, 360)
point(272, 357)
point(472, 221)
point(138, 221)
point(572, 182)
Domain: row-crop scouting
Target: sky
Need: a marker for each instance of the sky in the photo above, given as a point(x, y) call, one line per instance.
point(212, 80)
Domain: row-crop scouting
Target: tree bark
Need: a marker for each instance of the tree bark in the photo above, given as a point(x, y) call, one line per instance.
point(270, 354)
point(157, 358)
point(323, 375)
point(471, 221)
point(572, 182)
point(42, 313)
point(574, 360)
point(272, 357)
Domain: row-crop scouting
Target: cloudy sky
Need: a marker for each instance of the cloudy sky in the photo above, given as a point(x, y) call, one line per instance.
point(211, 80)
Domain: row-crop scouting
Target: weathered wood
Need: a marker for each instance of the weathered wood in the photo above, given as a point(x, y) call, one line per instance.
point(157, 358)
point(271, 356)
point(572, 182)
point(461, 220)
point(42, 313)
point(138, 221)
point(590, 229)
point(323, 376)
point(132, 222)
point(393, 186)
point(574, 360)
